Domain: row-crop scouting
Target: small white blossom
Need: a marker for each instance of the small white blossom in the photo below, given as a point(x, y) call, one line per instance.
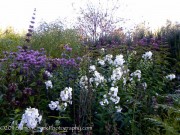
point(108, 58)
point(147, 55)
point(102, 49)
point(83, 82)
point(48, 74)
point(62, 106)
point(54, 105)
point(48, 84)
point(105, 101)
point(115, 99)
point(144, 85)
point(101, 62)
point(134, 52)
point(137, 74)
point(92, 68)
point(171, 76)
point(118, 109)
point(124, 81)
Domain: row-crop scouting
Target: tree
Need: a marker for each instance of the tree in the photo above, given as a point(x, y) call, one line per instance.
point(98, 20)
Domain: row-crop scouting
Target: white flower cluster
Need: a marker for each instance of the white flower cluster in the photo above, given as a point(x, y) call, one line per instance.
point(108, 58)
point(171, 76)
point(48, 84)
point(56, 106)
point(92, 68)
point(116, 75)
point(104, 101)
point(84, 82)
point(147, 55)
point(97, 77)
point(137, 74)
point(101, 62)
point(31, 118)
point(66, 95)
point(119, 61)
point(112, 95)
point(48, 74)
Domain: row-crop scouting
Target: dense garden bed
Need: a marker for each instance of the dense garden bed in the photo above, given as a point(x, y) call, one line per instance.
point(112, 86)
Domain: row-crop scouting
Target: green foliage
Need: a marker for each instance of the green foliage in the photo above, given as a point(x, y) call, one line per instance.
point(9, 40)
point(53, 37)
point(166, 118)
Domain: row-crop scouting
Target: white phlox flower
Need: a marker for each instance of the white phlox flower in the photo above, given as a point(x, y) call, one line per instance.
point(147, 55)
point(31, 118)
point(54, 105)
point(108, 58)
point(66, 95)
point(118, 109)
point(84, 82)
point(144, 85)
point(92, 68)
point(171, 76)
point(113, 95)
point(119, 61)
point(48, 84)
point(98, 78)
point(102, 50)
point(62, 106)
point(101, 62)
point(137, 74)
point(124, 81)
point(104, 101)
point(48, 74)
point(116, 75)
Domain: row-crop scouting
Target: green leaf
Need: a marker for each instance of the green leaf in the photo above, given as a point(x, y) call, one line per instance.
point(20, 78)
point(33, 84)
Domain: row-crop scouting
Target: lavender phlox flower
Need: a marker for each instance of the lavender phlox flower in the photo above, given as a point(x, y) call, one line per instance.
point(67, 47)
point(27, 91)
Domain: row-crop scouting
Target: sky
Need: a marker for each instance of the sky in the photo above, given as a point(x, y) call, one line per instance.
point(18, 13)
